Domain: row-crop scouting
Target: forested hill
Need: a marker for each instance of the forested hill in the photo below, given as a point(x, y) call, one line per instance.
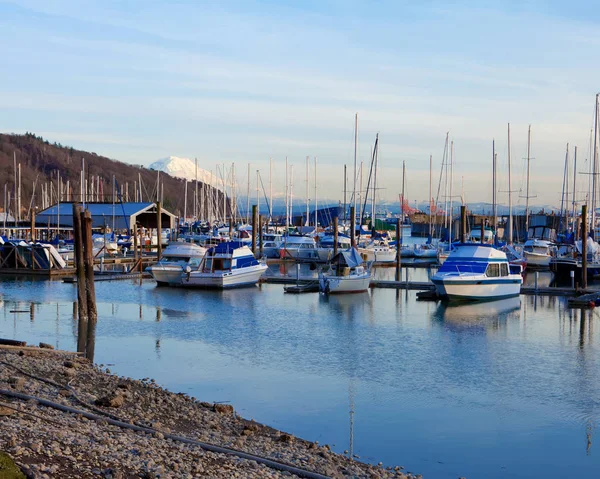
point(41, 162)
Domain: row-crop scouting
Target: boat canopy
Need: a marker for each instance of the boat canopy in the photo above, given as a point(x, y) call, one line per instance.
point(227, 247)
point(350, 258)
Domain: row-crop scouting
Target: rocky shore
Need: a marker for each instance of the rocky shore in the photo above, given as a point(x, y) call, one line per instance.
point(46, 442)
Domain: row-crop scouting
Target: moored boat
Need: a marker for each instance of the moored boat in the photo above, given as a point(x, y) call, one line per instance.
point(176, 256)
point(347, 273)
point(226, 265)
point(477, 271)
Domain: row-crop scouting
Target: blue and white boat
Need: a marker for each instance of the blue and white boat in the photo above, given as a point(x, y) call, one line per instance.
point(477, 271)
point(226, 265)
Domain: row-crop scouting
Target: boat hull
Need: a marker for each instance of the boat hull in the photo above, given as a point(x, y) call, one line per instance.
point(378, 255)
point(345, 284)
point(224, 279)
point(536, 260)
point(481, 288)
point(166, 274)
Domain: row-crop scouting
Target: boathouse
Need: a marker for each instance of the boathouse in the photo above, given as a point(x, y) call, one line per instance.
point(116, 216)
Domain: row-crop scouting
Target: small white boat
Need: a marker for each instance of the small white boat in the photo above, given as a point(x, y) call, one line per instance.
point(226, 265)
point(427, 250)
point(378, 251)
point(271, 245)
point(538, 253)
point(176, 256)
point(325, 246)
point(299, 248)
point(347, 273)
point(477, 271)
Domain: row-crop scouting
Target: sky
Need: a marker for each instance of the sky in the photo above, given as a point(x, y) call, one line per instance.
point(244, 81)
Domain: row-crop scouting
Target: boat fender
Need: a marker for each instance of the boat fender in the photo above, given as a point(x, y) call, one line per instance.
point(188, 270)
point(591, 304)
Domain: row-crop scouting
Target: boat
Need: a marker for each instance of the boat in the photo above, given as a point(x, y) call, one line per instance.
point(514, 257)
point(299, 248)
point(538, 252)
point(271, 245)
point(226, 265)
point(477, 271)
point(348, 273)
point(568, 260)
point(427, 250)
point(378, 251)
point(326, 244)
point(176, 256)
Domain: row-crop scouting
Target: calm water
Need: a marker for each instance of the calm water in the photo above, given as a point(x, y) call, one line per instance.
point(496, 390)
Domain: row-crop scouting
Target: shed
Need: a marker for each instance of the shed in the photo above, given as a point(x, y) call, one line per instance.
point(117, 216)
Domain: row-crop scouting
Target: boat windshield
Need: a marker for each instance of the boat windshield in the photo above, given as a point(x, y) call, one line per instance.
point(495, 270)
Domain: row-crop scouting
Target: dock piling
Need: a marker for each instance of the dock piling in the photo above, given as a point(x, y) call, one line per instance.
point(463, 223)
point(584, 236)
point(352, 226)
point(158, 230)
point(335, 235)
point(254, 208)
point(80, 271)
point(398, 245)
point(90, 288)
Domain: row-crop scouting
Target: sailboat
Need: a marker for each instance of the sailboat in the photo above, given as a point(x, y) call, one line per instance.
point(348, 273)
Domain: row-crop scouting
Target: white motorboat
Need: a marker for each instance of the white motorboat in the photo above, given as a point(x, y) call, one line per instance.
point(426, 250)
point(226, 265)
point(299, 248)
point(271, 245)
point(378, 251)
point(538, 253)
point(176, 256)
point(325, 246)
point(347, 273)
point(477, 271)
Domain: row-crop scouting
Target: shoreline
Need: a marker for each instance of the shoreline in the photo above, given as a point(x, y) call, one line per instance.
point(47, 442)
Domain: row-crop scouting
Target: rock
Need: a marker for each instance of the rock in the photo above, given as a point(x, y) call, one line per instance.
point(223, 408)
point(65, 393)
point(8, 468)
point(69, 364)
point(5, 411)
point(113, 400)
point(287, 438)
point(46, 346)
point(16, 382)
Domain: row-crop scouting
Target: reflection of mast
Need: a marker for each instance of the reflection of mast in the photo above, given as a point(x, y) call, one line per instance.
point(351, 398)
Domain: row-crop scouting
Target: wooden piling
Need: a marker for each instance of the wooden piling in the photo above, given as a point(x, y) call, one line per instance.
point(482, 231)
point(335, 235)
point(90, 289)
point(260, 237)
point(352, 227)
point(158, 230)
point(33, 226)
point(230, 229)
point(80, 272)
point(135, 244)
point(398, 248)
point(254, 228)
point(584, 236)
point(463, 223)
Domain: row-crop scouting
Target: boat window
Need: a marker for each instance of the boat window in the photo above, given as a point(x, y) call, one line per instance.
point(221, 264)
point(194, 262)
point(493, 270)
point(504, 269)
point(208, 264)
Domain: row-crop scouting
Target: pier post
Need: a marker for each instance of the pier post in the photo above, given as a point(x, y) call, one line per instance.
point(230, 228)
point(33, 227)
point(335, 235)
point(463, 223)
point(584, 236)
point(158, 230)
point(536, 277)
point(398, 245)
point(260, 238)
point(352, 227)
point(80, 273)
point(135, 244)
point(254, 228)
point(482, 230)
point(90, 288)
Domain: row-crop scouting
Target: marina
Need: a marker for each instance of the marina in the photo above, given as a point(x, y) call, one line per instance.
point(436, 381)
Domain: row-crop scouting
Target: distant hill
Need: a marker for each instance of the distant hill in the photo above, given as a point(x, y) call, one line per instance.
point(41, 161)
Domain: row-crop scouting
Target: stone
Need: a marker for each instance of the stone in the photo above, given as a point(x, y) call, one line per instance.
point(223, 408)
point(287, 438)
point(46, 346)
point(69, 364)
point(112, 400)
point(5, 411)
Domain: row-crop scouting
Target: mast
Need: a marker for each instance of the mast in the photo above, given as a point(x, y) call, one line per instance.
point(270, 188)
point(574, 186)
point(527, 190)
point(510, 218)
point(258, 193)
point(196, 212)
point(287, 205)
point(291, 193)
point(248, 198)
point(185, 201)
point(374, 202)
point(345, 178)
point(399, 241)
point(83, 198)
point(594, 171)
point(450, 224)
point(430, 197)
point(224, 197)
point(567, 188)
point(316, 197)
point(494, 192)
point(307, 210)
point(355, 151)
point(360, 196)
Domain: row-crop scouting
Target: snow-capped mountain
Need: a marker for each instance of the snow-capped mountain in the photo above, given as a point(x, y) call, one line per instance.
point(186, 168)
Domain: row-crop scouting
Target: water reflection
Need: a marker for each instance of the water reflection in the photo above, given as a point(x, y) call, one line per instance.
point(477, 314)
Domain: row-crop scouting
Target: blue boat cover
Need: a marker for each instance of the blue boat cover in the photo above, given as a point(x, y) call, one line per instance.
point(350, 258)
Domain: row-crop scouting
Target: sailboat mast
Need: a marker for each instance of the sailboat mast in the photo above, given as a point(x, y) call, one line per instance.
point(355, 154)
point(258, 193)
point(287, 206)
point(594, 171)
point(450, 223)
point(510, 218)
point(196, 198)
point(527, 190)
point(399, 242)
point(270, 188)
point(494, 191)
point(567, 188)
point(185, 201)
point(345, 178)
point(374, 200)
point(248, 198)
point(316, 198)
point(574, 186)
point(430, 197)
point(307, 209)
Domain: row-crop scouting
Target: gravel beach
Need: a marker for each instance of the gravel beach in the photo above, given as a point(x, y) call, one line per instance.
point(45, 442)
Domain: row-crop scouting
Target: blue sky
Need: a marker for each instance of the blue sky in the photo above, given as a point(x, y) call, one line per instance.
point(244, 81)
